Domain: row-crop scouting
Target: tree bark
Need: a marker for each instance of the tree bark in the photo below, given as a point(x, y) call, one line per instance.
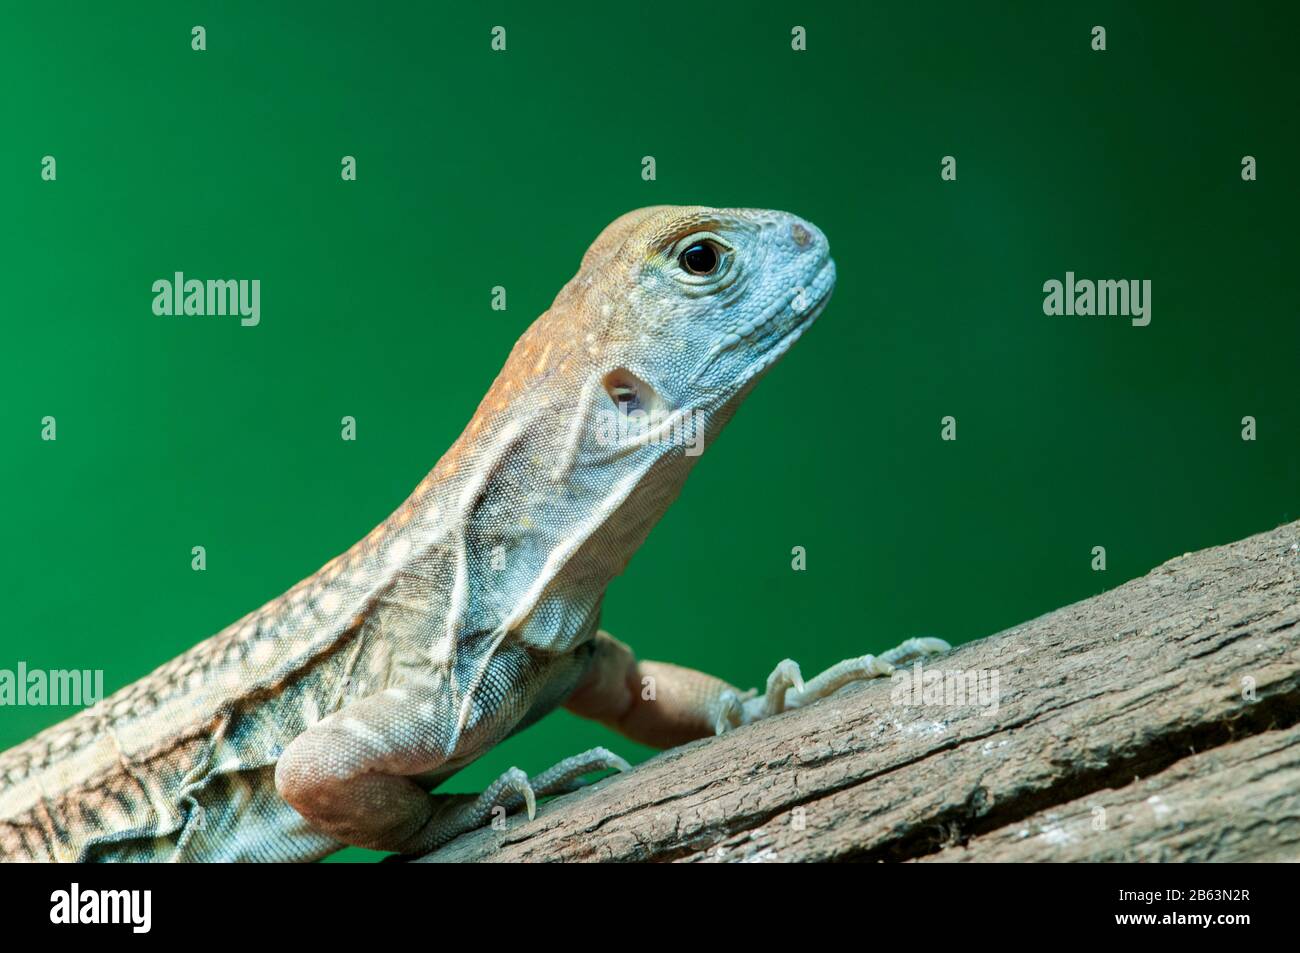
point(1157, 721)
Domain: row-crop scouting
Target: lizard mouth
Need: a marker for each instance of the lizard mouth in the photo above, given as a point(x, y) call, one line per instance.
point(773, 332)
point(796, 321)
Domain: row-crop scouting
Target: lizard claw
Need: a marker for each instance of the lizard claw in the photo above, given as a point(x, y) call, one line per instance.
point(777, 698)
point(517, 782)
point(730, 712)
point(619, 764)
point(788, 672)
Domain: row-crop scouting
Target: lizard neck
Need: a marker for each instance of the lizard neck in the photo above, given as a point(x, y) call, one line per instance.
point(523, 523)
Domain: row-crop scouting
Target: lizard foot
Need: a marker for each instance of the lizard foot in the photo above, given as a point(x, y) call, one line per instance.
point(787, 690)
point(515, 789)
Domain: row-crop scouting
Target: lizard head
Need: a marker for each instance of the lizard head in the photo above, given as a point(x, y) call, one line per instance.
point(605, 402)
point(674, 314)
point(686, 307)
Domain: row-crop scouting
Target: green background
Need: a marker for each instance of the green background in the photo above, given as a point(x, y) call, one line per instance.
point(478, 169)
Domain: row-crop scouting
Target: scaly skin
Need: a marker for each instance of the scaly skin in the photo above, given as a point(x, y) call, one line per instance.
point(327, 716)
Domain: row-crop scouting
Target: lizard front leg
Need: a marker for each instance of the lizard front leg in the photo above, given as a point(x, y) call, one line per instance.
point(356, 774)
point(350, 774)
point(663, 705)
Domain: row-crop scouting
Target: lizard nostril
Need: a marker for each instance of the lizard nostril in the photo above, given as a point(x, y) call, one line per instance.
point(800, 235)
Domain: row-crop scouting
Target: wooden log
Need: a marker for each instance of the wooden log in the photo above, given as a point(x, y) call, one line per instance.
point(1157, 721)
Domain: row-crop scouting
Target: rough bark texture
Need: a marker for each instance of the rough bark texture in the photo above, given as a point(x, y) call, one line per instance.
point(1157, 721)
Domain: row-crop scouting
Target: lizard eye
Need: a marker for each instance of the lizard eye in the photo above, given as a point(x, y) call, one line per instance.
point(701, 258)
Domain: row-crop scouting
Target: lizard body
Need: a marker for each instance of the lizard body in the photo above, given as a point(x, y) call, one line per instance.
point(327, 716)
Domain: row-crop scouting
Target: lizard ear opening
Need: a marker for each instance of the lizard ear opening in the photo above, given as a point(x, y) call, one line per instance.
point(629, 392)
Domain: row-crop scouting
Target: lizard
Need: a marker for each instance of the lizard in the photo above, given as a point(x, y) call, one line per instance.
point(331, 715)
